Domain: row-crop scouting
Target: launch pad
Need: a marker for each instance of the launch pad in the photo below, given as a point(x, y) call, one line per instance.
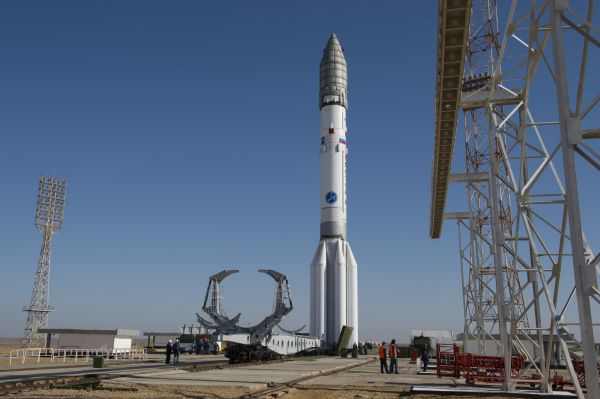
point(300, 378)
point(521, 229)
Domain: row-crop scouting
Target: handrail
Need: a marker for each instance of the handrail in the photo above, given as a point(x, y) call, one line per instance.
point(77, 354)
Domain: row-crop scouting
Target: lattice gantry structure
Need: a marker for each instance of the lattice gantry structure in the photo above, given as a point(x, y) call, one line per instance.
point(480, 279)
point(529, 272)
point(49, 216)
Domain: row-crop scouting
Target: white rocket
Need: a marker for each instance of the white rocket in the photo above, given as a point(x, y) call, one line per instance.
point(333, 272)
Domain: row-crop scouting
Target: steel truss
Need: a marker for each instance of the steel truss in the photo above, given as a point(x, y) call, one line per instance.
point(224, 325)
point(522, 233)
point(481, 312)
point(48, 219)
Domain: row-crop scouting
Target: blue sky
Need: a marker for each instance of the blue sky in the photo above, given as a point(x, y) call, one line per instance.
point(188, 133)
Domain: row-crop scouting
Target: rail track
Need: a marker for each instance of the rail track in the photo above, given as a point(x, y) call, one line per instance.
point(290, 384)
point(89, 378)
point(48, 379)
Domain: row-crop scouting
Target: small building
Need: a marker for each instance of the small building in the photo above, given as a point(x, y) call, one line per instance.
point(119, 340)
point(430, 338)
point(160, 339)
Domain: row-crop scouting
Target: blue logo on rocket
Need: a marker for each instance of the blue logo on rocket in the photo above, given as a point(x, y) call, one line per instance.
point(331, 197)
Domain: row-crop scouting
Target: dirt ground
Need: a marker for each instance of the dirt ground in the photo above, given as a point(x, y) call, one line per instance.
point(169, 391)
point(6, 344)
point(121, 391)
point(9, 343)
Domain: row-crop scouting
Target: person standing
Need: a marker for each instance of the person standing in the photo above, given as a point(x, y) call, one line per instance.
point(169, 350)
point(424, 356)
point(383, 358)
point(393, 357)
point(176, 350)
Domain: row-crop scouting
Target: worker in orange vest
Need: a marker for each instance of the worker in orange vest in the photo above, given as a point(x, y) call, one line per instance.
point(383, 358)
point(393, 357)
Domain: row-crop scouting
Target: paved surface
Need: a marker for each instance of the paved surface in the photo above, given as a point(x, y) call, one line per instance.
point(370, 375)
point(259, 376)
point(114, 367)
point(253, 377)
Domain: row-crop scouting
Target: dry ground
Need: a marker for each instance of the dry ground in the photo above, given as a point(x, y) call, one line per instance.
point(9, 343)
point(168, 391)
point(6, 344)
point(142, 391)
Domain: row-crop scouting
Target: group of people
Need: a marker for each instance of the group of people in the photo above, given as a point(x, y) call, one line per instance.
point(363, 346)
point(391, 352)
point(173, 349)
point(201, 347)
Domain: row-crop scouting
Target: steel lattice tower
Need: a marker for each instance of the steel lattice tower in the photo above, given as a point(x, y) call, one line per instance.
point(529, 272)
point(493, 292)
point(48, 219)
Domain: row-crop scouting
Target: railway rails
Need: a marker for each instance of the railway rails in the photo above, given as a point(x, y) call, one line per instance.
point(51, 379)
point(290, 384)
point(89, 378)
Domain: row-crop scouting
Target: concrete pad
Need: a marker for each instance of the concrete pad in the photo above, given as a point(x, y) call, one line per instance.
point(253, 376)
point(370, 375)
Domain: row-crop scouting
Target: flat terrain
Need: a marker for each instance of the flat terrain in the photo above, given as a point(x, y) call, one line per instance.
point(8, 343)
point(325, 377)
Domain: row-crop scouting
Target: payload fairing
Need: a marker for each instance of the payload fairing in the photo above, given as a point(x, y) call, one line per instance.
point(333, 272)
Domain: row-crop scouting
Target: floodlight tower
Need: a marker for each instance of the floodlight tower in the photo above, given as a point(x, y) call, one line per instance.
point(48, 219)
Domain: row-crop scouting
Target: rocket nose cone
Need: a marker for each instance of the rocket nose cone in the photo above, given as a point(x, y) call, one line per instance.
point(333, 40)
point(333, 75)
point(333, 46)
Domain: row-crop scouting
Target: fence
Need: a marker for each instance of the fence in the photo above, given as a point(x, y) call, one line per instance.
point(73, 354)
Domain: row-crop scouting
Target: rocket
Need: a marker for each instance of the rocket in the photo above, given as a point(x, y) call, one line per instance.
point(333, 271)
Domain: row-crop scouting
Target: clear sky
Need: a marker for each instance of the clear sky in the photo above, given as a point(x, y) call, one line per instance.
point(189, 135)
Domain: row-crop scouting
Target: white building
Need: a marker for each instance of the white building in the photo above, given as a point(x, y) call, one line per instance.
point(119, 340)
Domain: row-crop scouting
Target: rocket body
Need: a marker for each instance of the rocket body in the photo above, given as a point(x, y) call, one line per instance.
point(333, 273)
point(333, 171)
